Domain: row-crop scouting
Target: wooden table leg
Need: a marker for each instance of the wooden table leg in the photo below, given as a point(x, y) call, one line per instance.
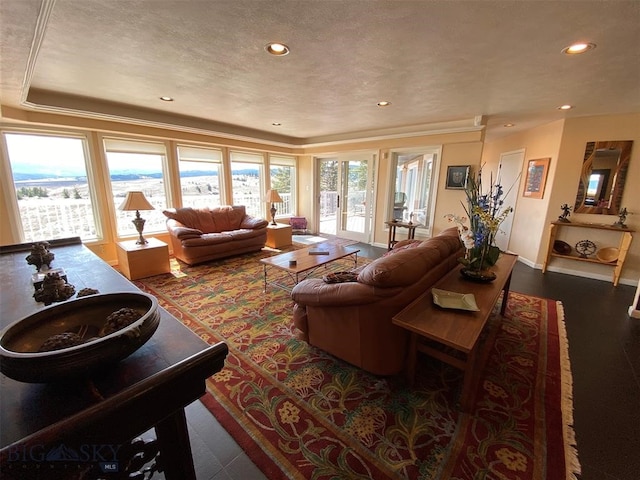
point(505, 295)
point(175, 448)
point(265, 277)
point(412, 358)
point(469, 381)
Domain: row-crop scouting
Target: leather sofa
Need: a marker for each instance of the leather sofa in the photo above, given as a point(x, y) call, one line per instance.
point(352, 320)
point(201, 234)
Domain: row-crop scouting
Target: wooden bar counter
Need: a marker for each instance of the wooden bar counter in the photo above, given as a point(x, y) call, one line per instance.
point(99, 414)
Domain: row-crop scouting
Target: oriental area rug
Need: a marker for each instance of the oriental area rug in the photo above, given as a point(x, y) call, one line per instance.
point(300, 413)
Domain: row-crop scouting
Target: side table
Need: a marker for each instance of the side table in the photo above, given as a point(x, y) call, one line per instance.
point(139, 261)
point(278, 235)
point(392, 231)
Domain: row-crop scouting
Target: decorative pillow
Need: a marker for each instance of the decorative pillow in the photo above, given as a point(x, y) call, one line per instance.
point(340, 277)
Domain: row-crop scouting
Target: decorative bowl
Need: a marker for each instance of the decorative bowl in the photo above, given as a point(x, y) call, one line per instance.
point(563, 248)
point(21, 341)
point(607, 254)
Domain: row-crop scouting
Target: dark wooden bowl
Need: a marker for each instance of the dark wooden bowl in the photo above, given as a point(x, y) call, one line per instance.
point(20, 341)
point(563, 248)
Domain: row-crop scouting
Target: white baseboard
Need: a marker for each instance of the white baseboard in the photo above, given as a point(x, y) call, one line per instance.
point(634, 313)
point(596, 276)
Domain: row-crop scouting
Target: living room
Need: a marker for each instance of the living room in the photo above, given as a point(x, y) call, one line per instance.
point(472, 138)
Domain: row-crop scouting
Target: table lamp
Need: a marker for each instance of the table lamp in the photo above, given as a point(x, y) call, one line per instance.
point(273, 197)
point(137, 201)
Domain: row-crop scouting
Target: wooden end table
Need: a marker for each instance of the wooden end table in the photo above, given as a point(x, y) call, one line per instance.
point(392, 231)
point(434, 329)
point(140, 261)
point(278, 235)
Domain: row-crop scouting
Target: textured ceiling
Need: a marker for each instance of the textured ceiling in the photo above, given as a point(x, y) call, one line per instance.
point(439, 63)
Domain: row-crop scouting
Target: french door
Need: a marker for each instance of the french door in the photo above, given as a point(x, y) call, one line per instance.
point(345, 186)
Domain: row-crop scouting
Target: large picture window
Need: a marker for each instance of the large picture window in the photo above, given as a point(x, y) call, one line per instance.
point(139, 166)
point(52, 188)
point(247, 181)
point(413, 186)
point(200, 176)
point(283, 179)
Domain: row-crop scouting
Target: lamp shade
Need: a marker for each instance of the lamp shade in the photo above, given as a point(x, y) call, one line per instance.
point(273, 196)
point(135, 201)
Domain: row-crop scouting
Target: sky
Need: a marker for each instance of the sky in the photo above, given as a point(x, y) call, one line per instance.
point(64, 156)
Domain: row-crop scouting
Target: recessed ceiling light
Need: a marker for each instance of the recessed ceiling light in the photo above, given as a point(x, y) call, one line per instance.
point(277, 49)
point(508, 125)
point(384, 104)
point(276, 124)
point(578, 48)
point(565, 107)
point(166, 99)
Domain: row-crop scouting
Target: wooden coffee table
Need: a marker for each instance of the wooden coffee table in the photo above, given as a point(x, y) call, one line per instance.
point(305, 263)
point(452, 335)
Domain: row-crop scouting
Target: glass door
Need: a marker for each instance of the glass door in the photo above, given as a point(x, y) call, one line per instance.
point(346, 193)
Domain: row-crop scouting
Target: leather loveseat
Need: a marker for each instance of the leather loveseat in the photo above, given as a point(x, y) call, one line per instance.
point(201, 234)
point(352, 320)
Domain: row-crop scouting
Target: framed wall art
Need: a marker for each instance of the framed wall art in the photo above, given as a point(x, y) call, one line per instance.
point(457, 176)
point(536, 178)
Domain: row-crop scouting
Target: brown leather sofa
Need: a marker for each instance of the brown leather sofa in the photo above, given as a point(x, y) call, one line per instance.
point(201, 234)
point(352, 320)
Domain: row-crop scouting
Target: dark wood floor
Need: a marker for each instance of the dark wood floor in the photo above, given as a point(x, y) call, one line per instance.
point(604, 348)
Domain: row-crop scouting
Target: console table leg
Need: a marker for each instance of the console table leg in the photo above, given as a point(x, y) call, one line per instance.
point(505, 295)
point(412, 358)
point(175, 448)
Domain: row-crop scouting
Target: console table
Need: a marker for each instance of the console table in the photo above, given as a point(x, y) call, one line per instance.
point(623, 247)
point(148, 389)
point(392, 231)
point(452, 336)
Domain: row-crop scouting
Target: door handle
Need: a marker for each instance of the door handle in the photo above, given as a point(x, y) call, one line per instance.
point(338, 206)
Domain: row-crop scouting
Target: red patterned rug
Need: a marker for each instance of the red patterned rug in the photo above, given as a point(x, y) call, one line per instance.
point(302, 414)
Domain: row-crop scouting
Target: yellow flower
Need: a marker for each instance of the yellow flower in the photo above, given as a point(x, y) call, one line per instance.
point(494, 390)
point(305, 380)
point(289, 413)
point(223, 375)
point(512, 460)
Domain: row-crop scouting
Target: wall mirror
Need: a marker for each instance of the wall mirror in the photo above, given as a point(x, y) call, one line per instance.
point(602, 178)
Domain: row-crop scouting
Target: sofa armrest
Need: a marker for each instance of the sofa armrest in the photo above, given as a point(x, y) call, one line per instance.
point(315, 292)
point(181, 232)
point(253, 222)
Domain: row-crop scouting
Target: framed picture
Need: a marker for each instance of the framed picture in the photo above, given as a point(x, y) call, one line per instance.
point(457, 176)
point(536, 178)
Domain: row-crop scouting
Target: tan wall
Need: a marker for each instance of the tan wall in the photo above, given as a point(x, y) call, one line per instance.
point(577, 132)
point(564, 142)
point(530, 214)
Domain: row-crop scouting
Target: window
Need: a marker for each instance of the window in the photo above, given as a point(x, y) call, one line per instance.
point(200, 176)
point(413, 193)
point(247, 182)
point(283, 179)
point(52, 188)
point(139, 166)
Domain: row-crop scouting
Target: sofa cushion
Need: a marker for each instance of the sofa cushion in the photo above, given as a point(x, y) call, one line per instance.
point(405, 246)
point(227, 218)
point(243, 233)
point(400, 269)
point(207, 239)
point(198, 218)
point(185, 232)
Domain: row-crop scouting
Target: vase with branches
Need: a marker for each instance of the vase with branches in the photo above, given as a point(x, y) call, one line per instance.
point(485, 212)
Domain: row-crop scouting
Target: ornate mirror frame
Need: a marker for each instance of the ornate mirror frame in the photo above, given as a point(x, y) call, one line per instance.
point(604, 171)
